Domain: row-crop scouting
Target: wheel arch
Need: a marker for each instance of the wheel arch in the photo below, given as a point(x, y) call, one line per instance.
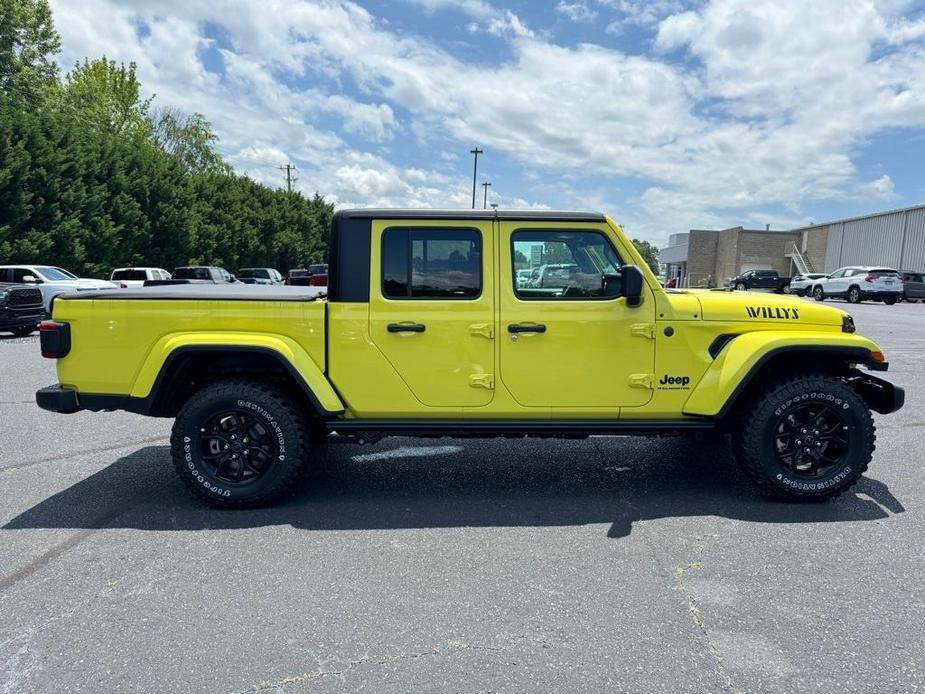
point(185, 368)
point(748, 360)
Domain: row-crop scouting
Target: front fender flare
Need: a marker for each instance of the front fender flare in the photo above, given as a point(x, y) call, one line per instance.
point(290, 354)
point(743, 357)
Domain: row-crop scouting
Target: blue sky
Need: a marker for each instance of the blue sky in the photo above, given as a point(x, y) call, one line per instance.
point(665, 114)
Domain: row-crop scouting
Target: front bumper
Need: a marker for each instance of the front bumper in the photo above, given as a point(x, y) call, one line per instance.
point(881, 396)
point(58, 398)
point(21, 317)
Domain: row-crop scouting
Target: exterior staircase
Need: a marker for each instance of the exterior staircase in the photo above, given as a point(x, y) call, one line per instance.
point(802, 263)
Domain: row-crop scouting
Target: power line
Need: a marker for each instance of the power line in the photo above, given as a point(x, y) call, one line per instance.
point(289, 168)
point(475, 168)
point(485, 185)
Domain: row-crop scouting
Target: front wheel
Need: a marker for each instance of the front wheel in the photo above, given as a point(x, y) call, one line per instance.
point(239, 443)
point(807, 437)
point(818, 294)
point(890, 300)
point(741, 287)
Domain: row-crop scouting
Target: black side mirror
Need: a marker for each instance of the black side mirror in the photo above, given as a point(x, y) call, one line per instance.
point(632, 284)
point(628, 283)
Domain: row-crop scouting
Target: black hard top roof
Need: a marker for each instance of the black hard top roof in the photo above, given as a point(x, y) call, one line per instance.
point(504, 215)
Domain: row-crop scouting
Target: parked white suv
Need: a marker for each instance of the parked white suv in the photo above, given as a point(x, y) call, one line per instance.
point(50, 280)
point(130, 277)
point(858, 283)
point(802, 284)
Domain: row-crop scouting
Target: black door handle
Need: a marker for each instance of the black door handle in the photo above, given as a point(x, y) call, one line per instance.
point(405, 327)
point(533, 328)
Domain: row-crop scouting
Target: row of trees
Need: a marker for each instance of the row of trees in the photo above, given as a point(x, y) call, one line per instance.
point(93, 176)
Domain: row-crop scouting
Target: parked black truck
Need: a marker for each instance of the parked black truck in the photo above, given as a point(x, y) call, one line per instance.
point(21, 308)
point(760, 279)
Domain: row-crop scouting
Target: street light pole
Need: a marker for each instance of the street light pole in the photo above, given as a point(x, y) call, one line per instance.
point(485, 199)
point(475, 168)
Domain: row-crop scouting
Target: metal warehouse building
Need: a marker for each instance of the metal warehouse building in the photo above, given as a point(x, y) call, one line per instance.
point(706, 257)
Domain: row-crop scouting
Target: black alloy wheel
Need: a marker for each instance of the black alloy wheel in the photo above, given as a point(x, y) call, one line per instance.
point(811, 440)
point(236, 447)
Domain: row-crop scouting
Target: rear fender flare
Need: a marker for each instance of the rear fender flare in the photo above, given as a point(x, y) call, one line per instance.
point(289, 353)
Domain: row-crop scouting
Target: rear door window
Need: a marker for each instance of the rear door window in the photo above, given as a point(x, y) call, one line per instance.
point(431, 263)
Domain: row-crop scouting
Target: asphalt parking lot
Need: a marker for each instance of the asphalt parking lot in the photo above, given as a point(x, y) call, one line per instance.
point(613, 564)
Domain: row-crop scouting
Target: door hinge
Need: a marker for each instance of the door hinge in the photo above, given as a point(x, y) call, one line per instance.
point(646, 381)
point(643, 330)
point(483, 329)
point(486, 381)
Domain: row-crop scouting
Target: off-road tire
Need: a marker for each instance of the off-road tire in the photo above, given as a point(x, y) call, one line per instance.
point(889, 301)
point(818, 293)
point(754, 440)
point(274, 410)
point(854, 295)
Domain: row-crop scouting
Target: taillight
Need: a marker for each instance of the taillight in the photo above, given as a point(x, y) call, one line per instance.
point(55, 339)
point(870, 278)
point(318, 281)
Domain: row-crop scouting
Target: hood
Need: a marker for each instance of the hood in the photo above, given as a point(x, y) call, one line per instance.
point(86, 284)
point(765, 308)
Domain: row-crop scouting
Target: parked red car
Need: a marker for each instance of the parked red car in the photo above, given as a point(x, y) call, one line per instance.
point(312, 276)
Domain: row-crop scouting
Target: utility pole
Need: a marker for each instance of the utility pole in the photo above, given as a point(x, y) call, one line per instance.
point(485, 199)
point(475, 168)
point(289, 168)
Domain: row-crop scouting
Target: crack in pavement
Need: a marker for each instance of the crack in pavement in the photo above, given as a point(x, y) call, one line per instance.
point(279, 685)
point(696, 615)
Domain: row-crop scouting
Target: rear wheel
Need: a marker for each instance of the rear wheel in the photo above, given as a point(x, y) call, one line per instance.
point(818, 294)
point(239, 443)
point(854, 295)
point(786, 289)
point(807, 437)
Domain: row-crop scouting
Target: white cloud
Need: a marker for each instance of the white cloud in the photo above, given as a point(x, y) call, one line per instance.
point(576, 11)
point(745, 106)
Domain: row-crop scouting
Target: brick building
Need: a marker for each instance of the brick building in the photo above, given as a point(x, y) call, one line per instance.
point(706, 257)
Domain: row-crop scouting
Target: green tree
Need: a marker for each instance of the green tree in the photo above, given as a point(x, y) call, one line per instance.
point(28, 41)
point(648, 252)
point(189, 139)
point(106, 97)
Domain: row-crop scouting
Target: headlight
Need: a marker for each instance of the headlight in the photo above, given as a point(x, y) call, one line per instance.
point(3, 294)
point(847, 323)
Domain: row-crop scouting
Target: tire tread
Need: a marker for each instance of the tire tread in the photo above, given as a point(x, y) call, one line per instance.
point(746, 441)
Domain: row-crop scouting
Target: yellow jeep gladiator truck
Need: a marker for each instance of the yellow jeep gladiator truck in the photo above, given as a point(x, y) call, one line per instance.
point(426, 331)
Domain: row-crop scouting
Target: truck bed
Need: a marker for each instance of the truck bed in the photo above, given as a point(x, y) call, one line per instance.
point(222, 292)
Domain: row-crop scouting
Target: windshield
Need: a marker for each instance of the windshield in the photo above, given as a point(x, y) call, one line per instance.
point(55, 273)
point(134, 275)
point(317, 269)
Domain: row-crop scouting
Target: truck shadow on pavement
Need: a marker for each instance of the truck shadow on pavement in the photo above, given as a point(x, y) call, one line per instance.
point(460, 483)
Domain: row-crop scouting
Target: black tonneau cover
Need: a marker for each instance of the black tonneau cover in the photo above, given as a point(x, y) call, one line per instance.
point(222, 292)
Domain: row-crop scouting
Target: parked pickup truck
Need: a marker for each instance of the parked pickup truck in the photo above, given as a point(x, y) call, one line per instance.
point(21, 309)
point(760, 279)
point(195, 274)
point(130, 277)
point(425, 332)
